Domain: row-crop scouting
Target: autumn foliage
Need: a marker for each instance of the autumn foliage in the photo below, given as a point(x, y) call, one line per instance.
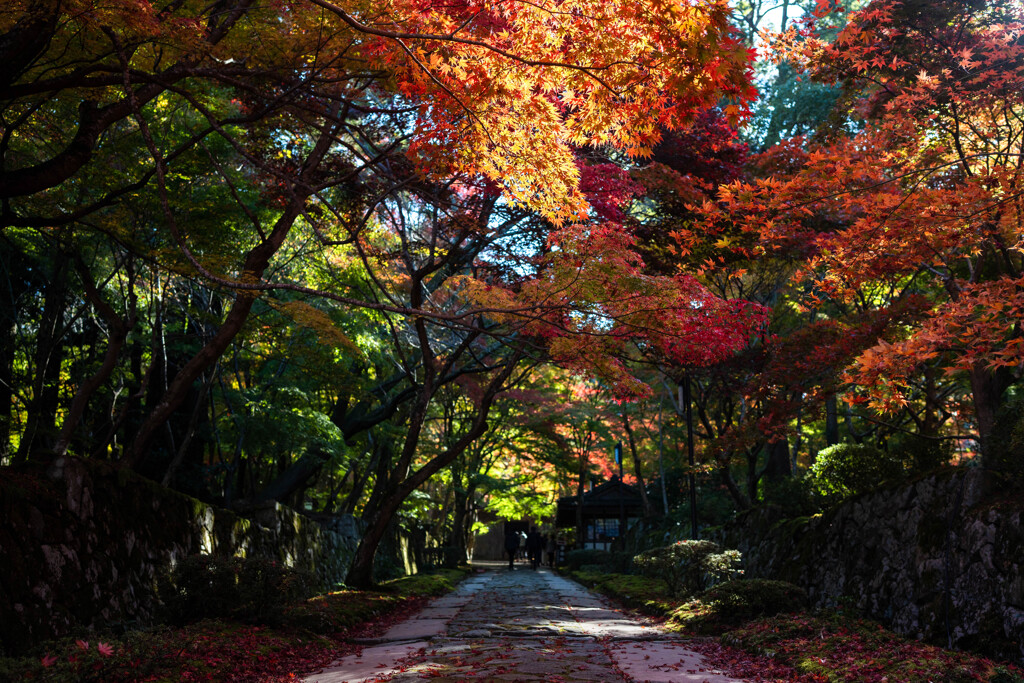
point(308, 250)
point(919, 202)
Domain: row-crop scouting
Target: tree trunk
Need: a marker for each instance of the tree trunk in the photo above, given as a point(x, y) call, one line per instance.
point(193, 421)
point(119, 330)
point(255, 264)
point(360, 574)
point(645, 500)
point(380, 480)
point(581, 530)
point(742, 502)
point(49, 354)
point(753, 476)
point(461, 522)
point(778, 466)
point(661, 460)
point(987, 388)
point(7, 338)
point(400, 486)
point(831, 420)
point(930, 422)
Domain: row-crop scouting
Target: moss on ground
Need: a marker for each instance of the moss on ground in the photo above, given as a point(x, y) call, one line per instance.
point(645, 594)
point(830, 646)
point(840, 647)
point(436, 582)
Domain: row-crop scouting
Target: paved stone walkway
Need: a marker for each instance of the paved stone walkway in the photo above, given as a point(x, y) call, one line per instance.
point(522, 625)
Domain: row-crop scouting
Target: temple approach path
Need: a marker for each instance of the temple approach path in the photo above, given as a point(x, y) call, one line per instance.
point(522, 625)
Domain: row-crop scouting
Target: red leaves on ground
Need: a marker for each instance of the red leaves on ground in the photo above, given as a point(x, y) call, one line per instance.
point(813, 649)
point(743, 664)
point(236, 653)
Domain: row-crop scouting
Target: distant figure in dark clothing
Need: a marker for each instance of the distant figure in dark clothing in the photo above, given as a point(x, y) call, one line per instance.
point(551, 548)
point(534, 546)
point(511, 546)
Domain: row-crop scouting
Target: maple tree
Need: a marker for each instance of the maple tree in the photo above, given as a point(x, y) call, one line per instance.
point(515, 470)
point(319, 159)
point(919, 206)
point(324, 253)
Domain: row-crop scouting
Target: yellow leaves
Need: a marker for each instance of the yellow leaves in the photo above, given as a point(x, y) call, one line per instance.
point(436, 63)
point(319, 322)
point(484, 296)
point(520, 87)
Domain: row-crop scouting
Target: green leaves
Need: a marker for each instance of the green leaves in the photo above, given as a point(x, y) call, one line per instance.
point(688, 567)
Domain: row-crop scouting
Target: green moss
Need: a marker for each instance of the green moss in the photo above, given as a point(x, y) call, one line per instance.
point(744, 599)
point(788, 527)
point(647, 594)
point(339, 611)
point(839, 648)
point(435, 582)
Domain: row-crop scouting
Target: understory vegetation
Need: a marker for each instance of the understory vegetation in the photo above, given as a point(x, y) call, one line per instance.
point(237, 640)
point(762, 629)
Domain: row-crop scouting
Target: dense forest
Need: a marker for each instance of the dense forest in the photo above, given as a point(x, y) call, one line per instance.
point(411, 260)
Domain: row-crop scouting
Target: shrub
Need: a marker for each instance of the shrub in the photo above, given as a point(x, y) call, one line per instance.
point(615, 562)
point(793, 496)
point(643, 592)
point(575, 559)
point(846, 469)
point(622, 562)
point(742, 599)
point(339, 611)
point(919, 453)
point(831, 647)
point(252, 590)
point(1001, 674)
point(688, 567)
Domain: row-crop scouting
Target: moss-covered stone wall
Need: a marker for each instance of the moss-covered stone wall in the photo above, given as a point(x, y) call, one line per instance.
point(86, 551)
point(940, 558)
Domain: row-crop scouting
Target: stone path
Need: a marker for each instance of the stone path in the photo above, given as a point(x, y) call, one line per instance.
point(522, 625)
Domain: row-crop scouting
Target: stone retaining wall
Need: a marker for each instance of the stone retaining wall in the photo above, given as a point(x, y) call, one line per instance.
point(940, 558)
point(85, 552)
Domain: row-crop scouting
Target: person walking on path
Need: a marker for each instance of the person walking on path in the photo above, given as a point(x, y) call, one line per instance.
point(534, 547)
point(511, 546)
point(551, 548)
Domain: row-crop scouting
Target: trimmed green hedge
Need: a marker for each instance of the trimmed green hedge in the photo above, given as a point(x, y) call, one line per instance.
point(743, 599)
point(718, 608)
point(688, 567)
point(612, 561)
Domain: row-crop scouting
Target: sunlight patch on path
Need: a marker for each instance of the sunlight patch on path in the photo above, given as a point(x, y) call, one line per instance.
point(369, 665)
point(523, 625)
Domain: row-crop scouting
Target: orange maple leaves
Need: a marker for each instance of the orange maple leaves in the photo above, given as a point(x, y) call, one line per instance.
point(925, 197)
point(507, 89)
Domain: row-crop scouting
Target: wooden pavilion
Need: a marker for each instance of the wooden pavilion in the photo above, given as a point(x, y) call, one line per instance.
point(608, 509)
